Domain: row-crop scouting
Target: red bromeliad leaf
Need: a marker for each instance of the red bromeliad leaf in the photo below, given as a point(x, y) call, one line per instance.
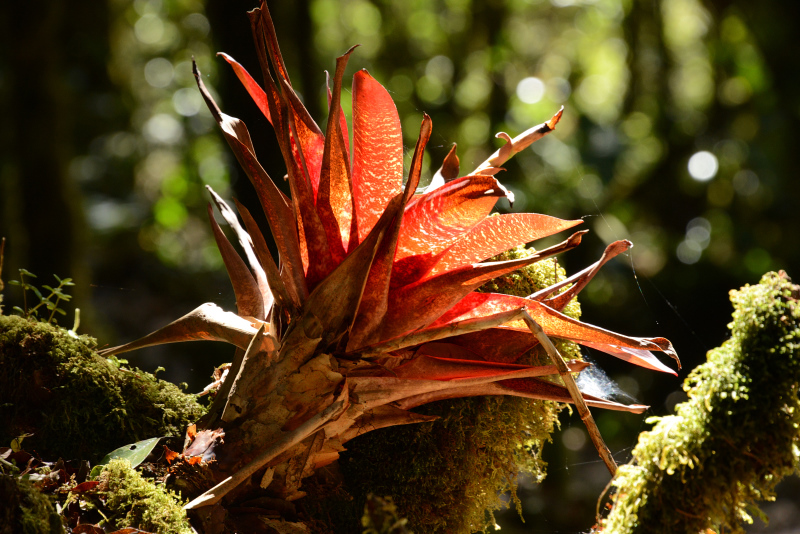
point(318, 262)
point(495, 344)
point(579, 280)
point(641, 357)
point(532, 388)
point(558, 325)
point(246, 242)
point(497, 234)
point(519, 143)
point(432, 297)
point(283, 104)
point(308, 142)
point(448, 350)
point(373, 391)
point(437, 219)
point(280, 291)
point(208, 322)
point(541, 389)
point(336, 300)
point(342, 118)
point(377, 150)
point(253, 89)
point(335, 195)
point(424, 367)
point(375, 300)
point(276, 207)
point(302, 145)
point(448, 171)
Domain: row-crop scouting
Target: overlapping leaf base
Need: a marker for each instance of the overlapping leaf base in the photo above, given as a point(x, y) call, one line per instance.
point(449, 475)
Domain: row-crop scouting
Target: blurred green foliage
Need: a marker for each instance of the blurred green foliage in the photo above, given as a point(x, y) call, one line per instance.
point(169, 150)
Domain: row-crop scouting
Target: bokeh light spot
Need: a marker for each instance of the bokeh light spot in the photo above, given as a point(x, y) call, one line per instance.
point(159, 72)
point(745, 182)
point(689, 252)
point(530, 90)
point(187, 101)
point(163, 128)
point(574, 438)
point(149, 29)
point(703, 166)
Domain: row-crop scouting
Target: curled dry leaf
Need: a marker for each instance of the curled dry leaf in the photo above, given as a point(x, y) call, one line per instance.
point(371, 309)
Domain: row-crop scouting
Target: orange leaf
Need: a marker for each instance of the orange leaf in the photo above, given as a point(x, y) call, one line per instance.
point(432, 297)
point(377, 150)
point(556, 324)
point(279, 288)
point(318, 262)
point(335, 196)
point(532, 388)
point(424, 367)
point(375, 300)
point(497, 234)
point(253, 89)
point(336, 299)
point(276, 207)
point(496, 344)
point(342, 118)
point(207, 322)
point(170, 455)
point(579, 280)
point(435, 220)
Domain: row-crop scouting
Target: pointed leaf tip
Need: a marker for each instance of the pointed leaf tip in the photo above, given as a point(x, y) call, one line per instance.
point(450, 166)
point(556, 118)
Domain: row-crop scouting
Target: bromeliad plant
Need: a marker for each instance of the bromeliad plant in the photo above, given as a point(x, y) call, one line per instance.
point(372, 309)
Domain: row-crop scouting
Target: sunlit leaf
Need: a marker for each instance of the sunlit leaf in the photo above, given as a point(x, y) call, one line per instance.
point(135, 453)
point(377, 150)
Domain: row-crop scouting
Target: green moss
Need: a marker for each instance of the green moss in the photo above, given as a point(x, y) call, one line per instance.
point(530, 279)
point(734, 439)
point(448, 476)
point(445, 475)
point(134, 501)
point(76, 403)
point(25, 509)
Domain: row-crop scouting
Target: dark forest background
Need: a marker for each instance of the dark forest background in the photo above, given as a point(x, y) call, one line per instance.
point(679, 133)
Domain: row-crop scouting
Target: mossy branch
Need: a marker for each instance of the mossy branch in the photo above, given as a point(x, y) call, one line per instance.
point(729, 445)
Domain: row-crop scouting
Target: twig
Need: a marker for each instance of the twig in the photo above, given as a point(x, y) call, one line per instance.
point(572, 387)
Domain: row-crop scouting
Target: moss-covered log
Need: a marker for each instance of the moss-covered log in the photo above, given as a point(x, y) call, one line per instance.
point(737, 435)
point(75, 403)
